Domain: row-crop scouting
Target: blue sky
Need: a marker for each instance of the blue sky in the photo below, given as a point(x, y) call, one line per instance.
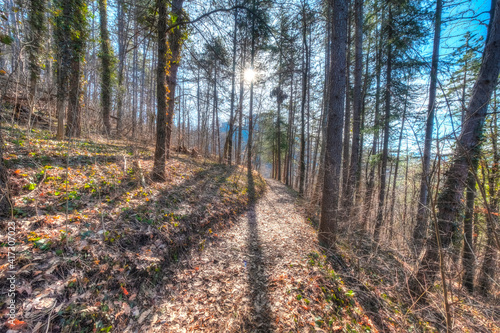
point(470, 16)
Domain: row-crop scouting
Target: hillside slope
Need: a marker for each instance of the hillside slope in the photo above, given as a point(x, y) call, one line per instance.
point(95, 237)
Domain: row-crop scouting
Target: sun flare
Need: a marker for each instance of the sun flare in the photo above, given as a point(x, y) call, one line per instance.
point(249, 75)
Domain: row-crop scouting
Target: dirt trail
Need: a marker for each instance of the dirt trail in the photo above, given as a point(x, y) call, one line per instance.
point(239, 283)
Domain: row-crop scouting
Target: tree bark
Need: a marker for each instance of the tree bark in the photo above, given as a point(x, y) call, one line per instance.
point(106, 56)
point(468, 258)
point(61, 31)
point(240, 111)
point(76, 25)
point(370, 184)
point(161, 95)
point(198, 110)
point(387, 119)
point(36, 20)
point(347, 119)
point(175, 44)
point(324, 118)
point(333, 153)
point(467, 149)
point(354, 169)
point(143, 79)
point(488, 269)
point(73, 119)
point(305, 74)
point(250, 111)
point(121, 59)
point(233, 83)
point(278, 123)
point(134, 78)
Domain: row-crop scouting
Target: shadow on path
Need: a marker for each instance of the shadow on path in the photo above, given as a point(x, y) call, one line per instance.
point(260, 320)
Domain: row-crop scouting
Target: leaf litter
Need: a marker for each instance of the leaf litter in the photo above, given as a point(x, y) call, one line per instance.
point(104, 263)
point(193, 254)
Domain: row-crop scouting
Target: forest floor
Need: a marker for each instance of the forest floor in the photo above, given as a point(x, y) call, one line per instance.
point(102, 248)
point(263, 274)
point(267, 273)
point(94, 236)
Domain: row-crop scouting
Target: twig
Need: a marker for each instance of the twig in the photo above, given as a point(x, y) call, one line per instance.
point(50, 314)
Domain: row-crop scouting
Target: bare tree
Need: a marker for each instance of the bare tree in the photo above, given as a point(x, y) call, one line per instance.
point(420, 230)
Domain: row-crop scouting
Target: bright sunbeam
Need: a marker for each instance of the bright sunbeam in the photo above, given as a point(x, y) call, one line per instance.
point(249, 74)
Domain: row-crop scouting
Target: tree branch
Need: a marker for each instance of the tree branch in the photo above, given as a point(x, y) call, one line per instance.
point(208, 14)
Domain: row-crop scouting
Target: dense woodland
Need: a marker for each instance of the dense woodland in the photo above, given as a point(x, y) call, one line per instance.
point(379, 115)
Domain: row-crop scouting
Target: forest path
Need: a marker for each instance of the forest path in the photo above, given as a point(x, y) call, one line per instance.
point(243, 282)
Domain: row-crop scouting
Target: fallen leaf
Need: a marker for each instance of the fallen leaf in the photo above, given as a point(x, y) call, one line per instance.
point(16, 324)
point(143, 316)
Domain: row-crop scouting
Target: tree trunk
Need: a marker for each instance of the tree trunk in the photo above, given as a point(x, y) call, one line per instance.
point(175, 44)
point(278, 124)
point(134, 79)
point(333, 153)
point(468, 258)
point(250, 110)
point(347, 119)
point(354, 169)
point(308, 131)
point(62, 29)
point(324, 117)
point(387, 119)
point(288, 163)
point(362, 129)
point(62, 83)
point(73, 119)
point(5, 202)
point(394, 181)
point(143, 79)
point(233, 82)
point(76, 24)
point(370, 184)
point(305, 74)
point(488, 269)
point(121, 59)
point(240, 121)
point(420, 230)
point(161, 95)
point(106, 59)
point(467, 149)
point(198, 110)
point(36, 20)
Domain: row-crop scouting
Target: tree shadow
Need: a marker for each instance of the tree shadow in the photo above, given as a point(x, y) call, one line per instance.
point(86, 194)
point(189, 205)
point(52, 159)
point(127, 237)
point(48, 151)
point(260, 320)
point(366, 298)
